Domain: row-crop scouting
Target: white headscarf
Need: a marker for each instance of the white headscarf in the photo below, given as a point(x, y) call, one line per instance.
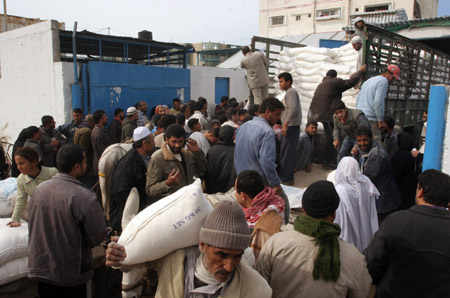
point(357, 214)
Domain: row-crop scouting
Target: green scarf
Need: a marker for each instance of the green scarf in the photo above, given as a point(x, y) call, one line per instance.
point(327, 264)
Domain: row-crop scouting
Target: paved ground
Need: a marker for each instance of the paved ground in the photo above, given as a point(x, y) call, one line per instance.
point(304, 179)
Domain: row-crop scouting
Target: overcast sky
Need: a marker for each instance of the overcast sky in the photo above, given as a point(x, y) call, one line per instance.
point(227, 21)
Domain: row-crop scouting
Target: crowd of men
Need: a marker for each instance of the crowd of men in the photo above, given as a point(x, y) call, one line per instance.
point(348, 238)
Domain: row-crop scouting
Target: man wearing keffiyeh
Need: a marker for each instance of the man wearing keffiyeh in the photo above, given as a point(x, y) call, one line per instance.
point(263, 209)
point(311, 260)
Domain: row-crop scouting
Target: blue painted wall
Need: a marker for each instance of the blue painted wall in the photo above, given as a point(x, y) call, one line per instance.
point(222, 87)
point(114, 85)
point(326, 43)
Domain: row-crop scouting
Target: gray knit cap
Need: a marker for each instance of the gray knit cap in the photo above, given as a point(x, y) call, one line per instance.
point(226, 227)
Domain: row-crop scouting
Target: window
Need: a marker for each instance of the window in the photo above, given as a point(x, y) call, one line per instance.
point(278, 20)
point(298, 18)
point(379, 7)
point(327, 14)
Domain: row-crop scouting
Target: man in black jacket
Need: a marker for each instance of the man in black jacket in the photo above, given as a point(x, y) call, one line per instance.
point(409, 256)
point(220, 175)
point(131, 172)
point(327, 92)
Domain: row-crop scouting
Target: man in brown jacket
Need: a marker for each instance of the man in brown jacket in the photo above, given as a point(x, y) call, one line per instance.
point(100, 136)
point(327, 92)
point(171, 167)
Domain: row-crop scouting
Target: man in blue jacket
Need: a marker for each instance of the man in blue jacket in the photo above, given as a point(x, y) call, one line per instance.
point(256, 148)
point(371, 98)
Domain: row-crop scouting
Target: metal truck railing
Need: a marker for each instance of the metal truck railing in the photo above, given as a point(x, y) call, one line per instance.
point(421, 66)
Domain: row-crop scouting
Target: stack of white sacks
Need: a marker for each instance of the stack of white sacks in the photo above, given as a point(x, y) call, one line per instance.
point(308, 66)
point(13, 241)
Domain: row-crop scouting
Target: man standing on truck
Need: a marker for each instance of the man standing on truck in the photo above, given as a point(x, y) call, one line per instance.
point(255, 63)
point(371, 98)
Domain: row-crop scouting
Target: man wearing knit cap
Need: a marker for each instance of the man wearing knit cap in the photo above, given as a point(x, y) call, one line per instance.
point(129, 124)
point(211, 269)
point(221, 173)
point(338, 269)
point(131, 172)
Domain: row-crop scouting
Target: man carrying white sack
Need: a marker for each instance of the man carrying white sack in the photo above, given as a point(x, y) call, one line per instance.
point(211, 269)
point(357, 44)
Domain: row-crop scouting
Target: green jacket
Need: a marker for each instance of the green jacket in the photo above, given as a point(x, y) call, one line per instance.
point(26, 186)
point(128, 126)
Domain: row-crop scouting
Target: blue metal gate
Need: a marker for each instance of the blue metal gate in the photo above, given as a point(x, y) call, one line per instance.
point(114, 85)
point(222, 87)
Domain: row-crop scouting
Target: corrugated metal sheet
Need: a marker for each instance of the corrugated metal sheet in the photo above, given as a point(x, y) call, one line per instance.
point(424, 21)
point(378, 17)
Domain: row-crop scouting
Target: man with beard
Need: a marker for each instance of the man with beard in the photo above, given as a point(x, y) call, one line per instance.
point(171, 167)
point(375, 163)
point(213, 268)
point(65, 222)
point(142, 108)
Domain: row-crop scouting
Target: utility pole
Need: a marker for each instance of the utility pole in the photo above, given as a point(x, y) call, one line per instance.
point(5, 20)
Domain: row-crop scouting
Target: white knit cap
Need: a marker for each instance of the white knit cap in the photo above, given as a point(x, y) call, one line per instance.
point(131, 111)
point(140, 133)
point(356, 39)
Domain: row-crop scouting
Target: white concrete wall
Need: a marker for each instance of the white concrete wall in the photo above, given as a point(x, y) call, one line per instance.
point(33, 83)
point(203, 82)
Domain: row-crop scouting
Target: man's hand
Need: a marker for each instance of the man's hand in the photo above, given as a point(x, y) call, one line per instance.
point(174, 177)
point(13, 224)
point(380, 124)
point(354, 151)
point(336, 144)
point(363, 68)
point(277, 189)
point(115, 253)
point(54, 143)
point(415, 153)
point(192, 145)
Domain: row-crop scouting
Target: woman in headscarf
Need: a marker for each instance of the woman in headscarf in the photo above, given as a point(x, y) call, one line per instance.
point(404, 170)
point(357, 213)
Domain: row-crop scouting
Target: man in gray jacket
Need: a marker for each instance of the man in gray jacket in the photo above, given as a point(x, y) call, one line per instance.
point(291, 118)
point(256, 65)
point(345, 122)
point(65, 223)
point(375, 164)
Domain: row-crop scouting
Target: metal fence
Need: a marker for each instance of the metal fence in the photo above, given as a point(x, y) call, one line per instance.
point(421, 66)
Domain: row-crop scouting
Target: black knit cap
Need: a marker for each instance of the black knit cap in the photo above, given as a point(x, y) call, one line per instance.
point(320, 199)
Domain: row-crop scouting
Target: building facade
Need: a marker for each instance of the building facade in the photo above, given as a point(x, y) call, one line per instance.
point(294, 17)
